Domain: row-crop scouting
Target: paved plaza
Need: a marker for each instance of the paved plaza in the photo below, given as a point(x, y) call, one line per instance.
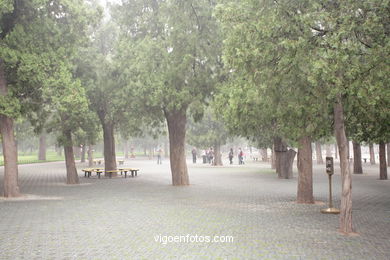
point(122, 218)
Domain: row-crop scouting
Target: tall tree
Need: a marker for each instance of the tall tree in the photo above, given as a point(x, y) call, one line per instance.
point(10, 17)
point(277, 75)
point(56, 28)
point(339, 54)
point(352, 62)
point(172, 47)
point(108, 94)
point(64, 93)
point(105, 94)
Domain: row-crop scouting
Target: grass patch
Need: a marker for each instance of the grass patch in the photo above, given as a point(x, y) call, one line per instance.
point(33, 158)
point(52, 156)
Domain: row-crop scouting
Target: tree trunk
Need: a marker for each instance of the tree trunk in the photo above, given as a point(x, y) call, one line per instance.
point(264, 155)
point(357, 158)
point(42, 147)
point(372, 154)
point(305, 171)
point(284, 159)
point(346, 178)
point(382, 161)
point(126, 149)
point(388, 154)
point(177, 131)
point(279, 147)
point(319, 153)
point(328, 150)
point(287, 161)
point(336, 153)
point(71, 172)
point(217, 155)
point(109, 148)
point(90, 155)
point(10, 153)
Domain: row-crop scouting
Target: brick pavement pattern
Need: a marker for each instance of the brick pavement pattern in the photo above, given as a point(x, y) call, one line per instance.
point(119, 218)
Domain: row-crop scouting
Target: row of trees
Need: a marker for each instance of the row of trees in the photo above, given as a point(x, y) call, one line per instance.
point(39, 41)
point(301, 70)
point(65, 68)
point(282, 73)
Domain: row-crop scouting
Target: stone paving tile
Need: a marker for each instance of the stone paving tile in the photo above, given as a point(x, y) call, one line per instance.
point(119, 218)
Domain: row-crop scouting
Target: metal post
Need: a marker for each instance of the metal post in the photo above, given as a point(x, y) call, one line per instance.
point(330, 171)
point(330, 192)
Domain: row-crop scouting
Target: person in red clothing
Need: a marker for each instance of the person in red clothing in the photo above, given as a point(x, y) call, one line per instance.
point(240, 156)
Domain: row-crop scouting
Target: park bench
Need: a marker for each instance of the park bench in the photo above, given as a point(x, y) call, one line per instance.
point(110, 172)
point(121, 162)
point(88, 172)
point(132, 171)
point(98, 171)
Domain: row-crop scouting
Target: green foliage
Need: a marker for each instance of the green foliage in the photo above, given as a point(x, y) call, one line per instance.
point(243, 113)
point(9, 106)
point(354, 61)
point(269, 54)
point(295, 57)
point(208, 132)
point(6, 6)
point(39, 41)
point(168, 53)
point(109, 98)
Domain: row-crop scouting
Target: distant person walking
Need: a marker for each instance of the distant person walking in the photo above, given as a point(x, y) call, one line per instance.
point(159, 154)
point(193, 155)
point(231, 156)
point(211, 156)
point(240, 156)
point(204, 156)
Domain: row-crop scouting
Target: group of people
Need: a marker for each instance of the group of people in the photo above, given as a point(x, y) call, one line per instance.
point(240, 156)
point(208, 156)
